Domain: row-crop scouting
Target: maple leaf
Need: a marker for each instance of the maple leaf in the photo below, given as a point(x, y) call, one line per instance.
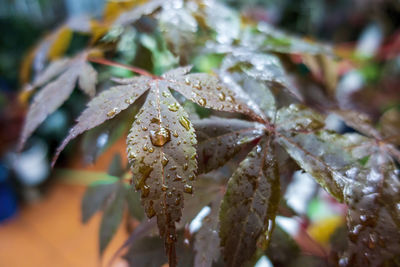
point(161, 143)
point(58, 81)
point(221, 139)
point(250, 203)
point(207, 240)
point(372, 198)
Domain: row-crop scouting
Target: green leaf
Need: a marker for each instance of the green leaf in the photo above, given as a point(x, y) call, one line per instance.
point(250, 203)
point(116, 168)
point(94, 199)
point(112, 218)
point(134, 206)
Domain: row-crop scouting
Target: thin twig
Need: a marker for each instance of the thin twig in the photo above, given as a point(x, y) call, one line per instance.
point(104, 61)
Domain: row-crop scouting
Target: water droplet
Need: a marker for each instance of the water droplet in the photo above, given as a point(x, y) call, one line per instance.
point(150, 211)
point(230, 99)
point(173, 107)
point(185, 166)
point(185, 123)
point(175, 134)
point(197, 85)
point(144, 128)
point(160, 137)
point(164, 161)
point(171, 239)
point(131, 155)
point(164, 187)
point(169, 194)
point(145, 191)
point(202, 102)
point(221, 96)
point(155, 120)
point(178, 178)
point(165, 94)
point(187, 81)
point(188, 189)
point(145, 148)
point(172, 168)
point(191, 177)
point(177, 201)
point(219, 88)
point(151, 149)
point(129, 101)
point(112, 112)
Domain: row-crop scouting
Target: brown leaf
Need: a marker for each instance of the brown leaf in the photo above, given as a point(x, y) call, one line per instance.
point(161, 143)
point(373, 216)
point(390, 126)
point(88, 79)
point(250, 204)
point(163, 158)
point(207, 91)
point(359, 122)
point(48, 100)
point(105, 106)
point(221, 139)
point(207, 240)
point(56, 92)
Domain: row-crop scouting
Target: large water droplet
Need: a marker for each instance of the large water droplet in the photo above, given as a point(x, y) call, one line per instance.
point(173, 107)
point(221, 96)
point(160, 137)
point(185, 123)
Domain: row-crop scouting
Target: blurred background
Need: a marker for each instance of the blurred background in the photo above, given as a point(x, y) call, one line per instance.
point(31, 197)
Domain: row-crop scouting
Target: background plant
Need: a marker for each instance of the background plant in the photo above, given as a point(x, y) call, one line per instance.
point(245, 108)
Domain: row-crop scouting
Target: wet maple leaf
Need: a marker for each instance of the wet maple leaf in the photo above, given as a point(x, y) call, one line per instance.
point(161, 143)
point(58, 81)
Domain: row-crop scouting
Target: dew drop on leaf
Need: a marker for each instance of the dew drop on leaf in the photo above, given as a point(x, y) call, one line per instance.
point(164, 161)
point(150, 211)
point(145, 191)
point(221, 96)
point(173, 107)
point(188, 189)
point(202, 102)
point(160, 137)
point(185, 123)
point(164, 187)
point(112, 112)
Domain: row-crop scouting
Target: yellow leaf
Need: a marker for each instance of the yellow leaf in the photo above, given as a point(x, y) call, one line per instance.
point(26, 65)
point(115, 7)
point(61, 40)
point(322, 230)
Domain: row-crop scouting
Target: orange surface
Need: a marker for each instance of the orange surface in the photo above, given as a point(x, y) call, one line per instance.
point(49, 233)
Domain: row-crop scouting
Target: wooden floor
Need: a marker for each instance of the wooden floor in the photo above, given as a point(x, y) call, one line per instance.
point(49, 233)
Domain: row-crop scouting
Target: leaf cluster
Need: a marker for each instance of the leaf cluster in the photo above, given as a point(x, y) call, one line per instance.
point(237, 160)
